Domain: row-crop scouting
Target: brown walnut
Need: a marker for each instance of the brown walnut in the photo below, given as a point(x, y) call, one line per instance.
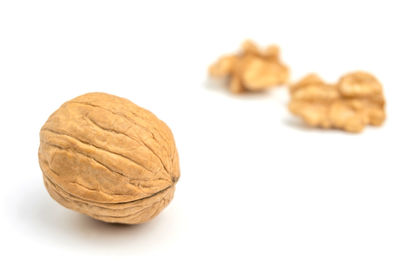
point(252, 69)
point(355, 101)
point(106, 157)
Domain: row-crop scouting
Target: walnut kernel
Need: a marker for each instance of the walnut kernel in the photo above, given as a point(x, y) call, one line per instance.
point(355, 101)
point(252, 69)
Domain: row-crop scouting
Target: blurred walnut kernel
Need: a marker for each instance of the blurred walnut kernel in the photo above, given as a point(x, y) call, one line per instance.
point(355, 101)
point(252, 69)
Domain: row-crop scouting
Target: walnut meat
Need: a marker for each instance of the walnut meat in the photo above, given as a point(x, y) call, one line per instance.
point(252, 69)
point(106, 157)
point(355, 101)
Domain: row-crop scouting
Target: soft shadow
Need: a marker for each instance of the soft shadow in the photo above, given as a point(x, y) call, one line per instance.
point(298, 124)
point(43, 217)
point(222, 86)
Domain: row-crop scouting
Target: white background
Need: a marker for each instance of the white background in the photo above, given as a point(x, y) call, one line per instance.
point(258, 188)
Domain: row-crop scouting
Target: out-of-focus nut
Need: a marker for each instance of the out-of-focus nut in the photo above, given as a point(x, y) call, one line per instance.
point(223, 67)
point(252, 69)
point(359, 84)
point(355, 101)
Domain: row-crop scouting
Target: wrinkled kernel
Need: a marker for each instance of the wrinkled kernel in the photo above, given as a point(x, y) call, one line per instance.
point(252, 69)
point(359, 84)
point(223, 67)
point(355, 101)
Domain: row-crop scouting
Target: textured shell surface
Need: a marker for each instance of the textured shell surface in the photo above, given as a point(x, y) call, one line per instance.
point(106, 157)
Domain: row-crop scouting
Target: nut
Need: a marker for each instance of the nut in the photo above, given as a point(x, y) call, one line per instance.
point(355, 101)
point(106, 157)
point(251, 69)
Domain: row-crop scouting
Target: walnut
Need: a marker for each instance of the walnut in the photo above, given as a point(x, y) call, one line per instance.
point(355, 101)
point(252, 69)
point(106, 157)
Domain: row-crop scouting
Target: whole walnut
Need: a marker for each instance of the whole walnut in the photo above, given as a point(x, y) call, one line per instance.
point(106, 157)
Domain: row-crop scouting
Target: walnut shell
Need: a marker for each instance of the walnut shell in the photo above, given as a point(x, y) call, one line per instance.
point(106, 157)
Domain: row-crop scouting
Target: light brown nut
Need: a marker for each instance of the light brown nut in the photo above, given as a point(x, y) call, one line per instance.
point(272, 52)
point(351, 104)
point(251, 69)
point(106, 157)
point(259, 74)
point(223, 67)
point(235, 85)
point(359, 84)
point(250, 48)
point(313, 87)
